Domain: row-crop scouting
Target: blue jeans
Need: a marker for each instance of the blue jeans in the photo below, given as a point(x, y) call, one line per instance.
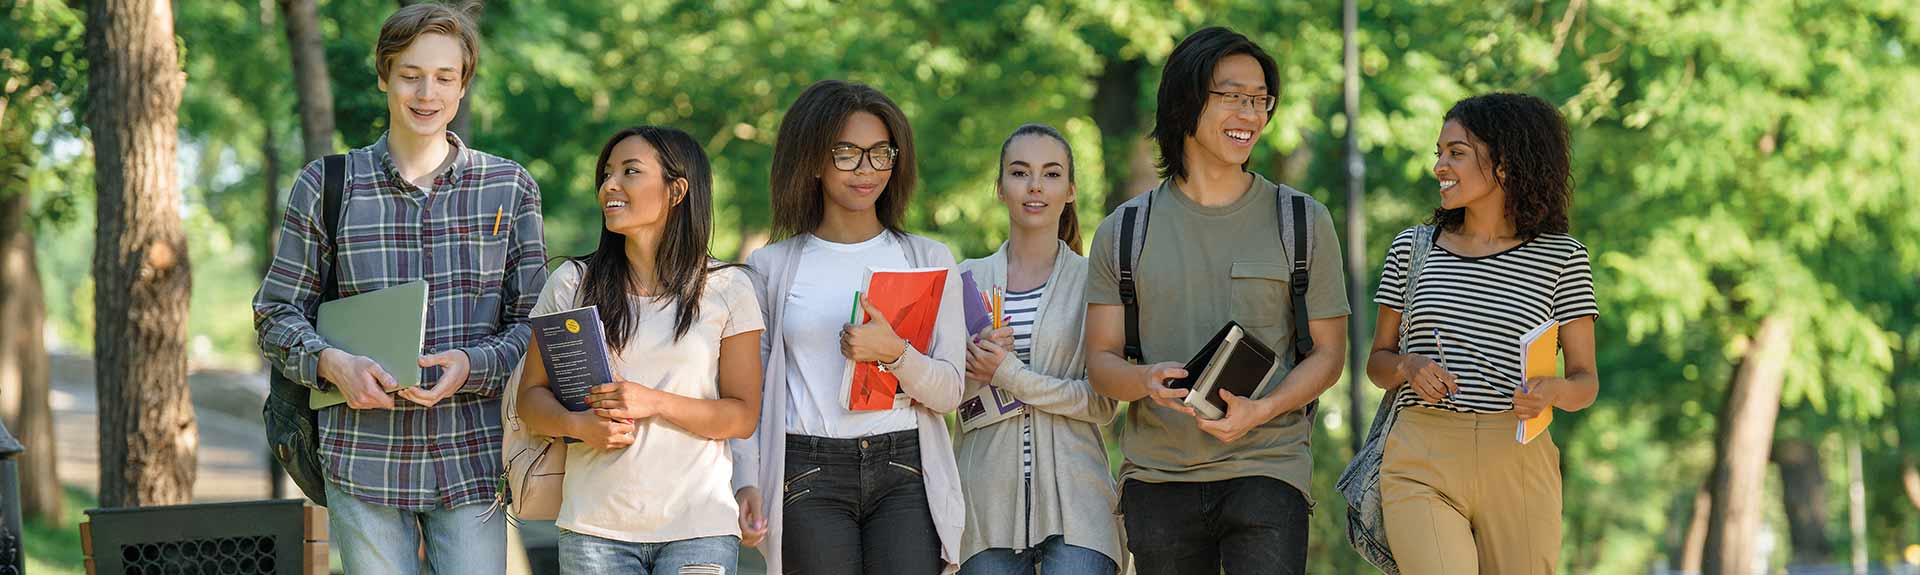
point(376, 539)
point(1052, 557)
point(582, 554)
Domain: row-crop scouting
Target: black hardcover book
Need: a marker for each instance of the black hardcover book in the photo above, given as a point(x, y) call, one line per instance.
point(1234, 360)
point(573, 349)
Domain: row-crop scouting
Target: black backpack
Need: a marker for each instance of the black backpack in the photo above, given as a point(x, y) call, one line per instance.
point(1289, 204)
point(293, 427)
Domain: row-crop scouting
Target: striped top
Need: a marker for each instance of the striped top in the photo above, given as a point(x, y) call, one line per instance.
point(475, 237)
point(1021, 307)
point(1480, 306)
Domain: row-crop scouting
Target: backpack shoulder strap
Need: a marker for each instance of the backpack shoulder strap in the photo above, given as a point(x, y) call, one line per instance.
point(333, 188)
point(1134, 215)
point(1423, 238)
point(1291, 205)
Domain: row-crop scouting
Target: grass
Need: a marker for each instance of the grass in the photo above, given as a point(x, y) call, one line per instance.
point(53, 547)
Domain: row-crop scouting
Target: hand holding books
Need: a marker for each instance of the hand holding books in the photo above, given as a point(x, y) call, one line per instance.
point(1535, 397)
point(873, 341)
point(599, 432)
point(1242, 415)
point(1156, 383)
point(624, 399)
point(359, 379)
point(986, 351)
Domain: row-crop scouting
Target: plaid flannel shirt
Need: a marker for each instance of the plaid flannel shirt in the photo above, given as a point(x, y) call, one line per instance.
point(476, 239)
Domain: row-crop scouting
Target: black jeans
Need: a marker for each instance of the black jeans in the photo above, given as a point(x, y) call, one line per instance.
point(857, 506)
point(1246, 525)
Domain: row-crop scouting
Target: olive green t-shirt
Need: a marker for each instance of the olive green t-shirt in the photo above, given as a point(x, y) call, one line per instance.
point(1201, 267)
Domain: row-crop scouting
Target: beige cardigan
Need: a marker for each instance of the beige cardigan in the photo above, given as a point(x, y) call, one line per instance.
point(932, 380)
point(1073, 490)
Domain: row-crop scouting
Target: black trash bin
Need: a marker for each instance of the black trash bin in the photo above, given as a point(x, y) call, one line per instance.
point(12, 559)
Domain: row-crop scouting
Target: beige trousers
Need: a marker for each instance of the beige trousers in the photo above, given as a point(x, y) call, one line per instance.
point(1461, 497)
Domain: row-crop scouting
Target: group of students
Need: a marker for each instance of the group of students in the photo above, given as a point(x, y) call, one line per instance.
point(726, 426)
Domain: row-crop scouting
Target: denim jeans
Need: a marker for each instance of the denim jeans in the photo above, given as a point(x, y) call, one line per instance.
point(1245, 525)
point(857, 506)
point(582, 554)
point(375, 539)
point(1052, 557)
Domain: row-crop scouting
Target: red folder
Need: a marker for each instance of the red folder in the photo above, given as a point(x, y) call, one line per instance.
point(910, 299)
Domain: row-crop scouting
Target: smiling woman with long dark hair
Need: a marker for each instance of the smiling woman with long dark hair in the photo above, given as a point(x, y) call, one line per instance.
point(846, 492)
point(648, 485)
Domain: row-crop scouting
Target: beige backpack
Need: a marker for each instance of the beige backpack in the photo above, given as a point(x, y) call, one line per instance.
point(536, 464)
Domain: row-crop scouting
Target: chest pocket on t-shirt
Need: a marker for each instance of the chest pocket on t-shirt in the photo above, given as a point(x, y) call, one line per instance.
point(1260, 294)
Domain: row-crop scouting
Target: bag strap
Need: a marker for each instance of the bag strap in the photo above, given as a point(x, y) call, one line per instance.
point(333, 186)
point(1423, 240)
point(1302, 337)
point(1133, 241)
point(1424, 237)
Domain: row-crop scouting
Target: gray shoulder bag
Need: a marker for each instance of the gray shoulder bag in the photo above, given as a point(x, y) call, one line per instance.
point(1360, 482)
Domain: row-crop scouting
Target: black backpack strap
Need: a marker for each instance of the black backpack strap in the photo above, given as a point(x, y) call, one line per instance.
point(333, 187)
point(1132, 242)
point(1302, 337)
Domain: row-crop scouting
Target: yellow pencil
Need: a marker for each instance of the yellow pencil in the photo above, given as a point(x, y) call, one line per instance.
point(999, 309)
point(497, 212)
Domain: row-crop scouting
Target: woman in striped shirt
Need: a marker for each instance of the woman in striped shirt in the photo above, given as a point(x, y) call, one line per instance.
point(1460, 492)
point(1039, 492)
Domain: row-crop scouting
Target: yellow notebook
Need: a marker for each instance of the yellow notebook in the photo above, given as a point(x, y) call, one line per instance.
point(1540, 354)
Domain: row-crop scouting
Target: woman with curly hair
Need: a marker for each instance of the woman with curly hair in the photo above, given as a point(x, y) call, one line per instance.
point(1460, 493)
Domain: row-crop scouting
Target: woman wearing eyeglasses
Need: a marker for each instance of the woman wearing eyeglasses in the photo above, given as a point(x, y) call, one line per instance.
point(839, 491)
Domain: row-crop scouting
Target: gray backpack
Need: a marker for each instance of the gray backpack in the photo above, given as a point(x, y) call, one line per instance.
point(1132, 241)
point(1360, 482)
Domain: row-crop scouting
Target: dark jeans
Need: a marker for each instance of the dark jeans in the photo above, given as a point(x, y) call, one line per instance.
point(1246, 525)
point(857, 506)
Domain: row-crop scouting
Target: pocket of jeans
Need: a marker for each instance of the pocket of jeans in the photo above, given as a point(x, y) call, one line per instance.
point(907, 468)
point(793, 496)
point(796, 478)
point(1260, 295)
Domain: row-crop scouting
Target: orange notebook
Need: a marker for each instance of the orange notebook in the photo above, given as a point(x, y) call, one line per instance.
point(910, 299)
point(1540, 354)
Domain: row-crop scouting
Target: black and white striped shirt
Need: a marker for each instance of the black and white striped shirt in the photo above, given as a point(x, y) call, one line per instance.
point(1021, 307)
point(1480, 306)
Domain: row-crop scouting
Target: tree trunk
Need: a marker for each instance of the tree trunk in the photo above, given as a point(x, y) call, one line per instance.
point(148, 438)
point(1910, 481)
point(1857, 506)
point(1744, 434)
point(270, 199)
point(1694, 544)
point(1804, 495)
point(463, 120)
point(1357, 349)
point(23, 351)
point(1117, 113)
point(313, 88)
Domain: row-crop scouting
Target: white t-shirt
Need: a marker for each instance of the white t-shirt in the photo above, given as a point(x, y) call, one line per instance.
point(817, 307)
point(670, 485)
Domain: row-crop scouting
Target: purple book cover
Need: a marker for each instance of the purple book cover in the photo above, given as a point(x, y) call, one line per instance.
point(978, 318)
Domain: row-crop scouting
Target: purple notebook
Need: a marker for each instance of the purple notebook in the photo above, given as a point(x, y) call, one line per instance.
point(978, 318)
